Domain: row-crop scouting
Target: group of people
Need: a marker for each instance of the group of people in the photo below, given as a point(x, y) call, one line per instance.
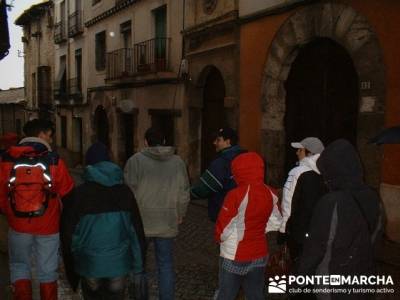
point(327, 216)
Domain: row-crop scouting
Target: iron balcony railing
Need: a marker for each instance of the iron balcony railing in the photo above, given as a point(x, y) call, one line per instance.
point(75, 89)
point(75, 25)
point(60, 91)
point(146, 57)
point(59, 32)
point(64, 91)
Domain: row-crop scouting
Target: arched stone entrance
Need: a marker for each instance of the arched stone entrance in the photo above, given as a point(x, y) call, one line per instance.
point(101, 125)
point(343, 25)
point(213, 113)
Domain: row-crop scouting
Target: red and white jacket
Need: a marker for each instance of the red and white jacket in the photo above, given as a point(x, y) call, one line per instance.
point(240, 227)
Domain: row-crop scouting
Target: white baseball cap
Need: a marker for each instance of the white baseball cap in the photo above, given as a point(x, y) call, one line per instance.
point(312, 144)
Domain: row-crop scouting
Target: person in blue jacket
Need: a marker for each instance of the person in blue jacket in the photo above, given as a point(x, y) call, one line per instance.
point(217, 181)
point(101, 230)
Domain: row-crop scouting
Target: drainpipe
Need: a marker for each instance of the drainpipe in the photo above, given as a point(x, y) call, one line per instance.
point(183, 29)
point(68, 62)
point(37, 67)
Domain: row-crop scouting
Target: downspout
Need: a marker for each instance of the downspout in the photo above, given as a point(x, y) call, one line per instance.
point(68, 73)
point(183, 29)
point(38, 106)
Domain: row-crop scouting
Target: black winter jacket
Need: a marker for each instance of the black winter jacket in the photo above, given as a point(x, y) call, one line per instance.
point(309, 189)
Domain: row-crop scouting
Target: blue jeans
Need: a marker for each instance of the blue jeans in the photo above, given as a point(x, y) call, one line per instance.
point(165, 266)
point(46, 251)
point(253, 284)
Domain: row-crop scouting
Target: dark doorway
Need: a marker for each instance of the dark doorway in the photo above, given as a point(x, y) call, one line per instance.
point(101, 123)
point(322, 96)
point(78, 138)
point(128, 128)
point(64, 136)
point(213, 116)
point(165, 122)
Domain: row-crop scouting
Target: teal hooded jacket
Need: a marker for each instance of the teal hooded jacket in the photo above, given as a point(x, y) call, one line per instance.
point(101, 228)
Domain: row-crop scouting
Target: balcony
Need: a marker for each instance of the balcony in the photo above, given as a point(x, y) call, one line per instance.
point(150, 56)
point(59, 33)
point(60, 91)
point(68, 92)
point(75, 26)
point(75, 89)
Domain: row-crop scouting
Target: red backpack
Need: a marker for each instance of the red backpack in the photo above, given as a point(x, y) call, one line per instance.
point(29, 187)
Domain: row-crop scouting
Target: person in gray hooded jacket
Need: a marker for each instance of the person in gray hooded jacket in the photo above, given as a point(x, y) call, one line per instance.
point(160, 183)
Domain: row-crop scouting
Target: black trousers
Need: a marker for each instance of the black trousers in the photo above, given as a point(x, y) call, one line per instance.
point(104, 288)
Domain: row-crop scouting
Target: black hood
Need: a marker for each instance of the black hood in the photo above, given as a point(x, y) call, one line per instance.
point(341, 166)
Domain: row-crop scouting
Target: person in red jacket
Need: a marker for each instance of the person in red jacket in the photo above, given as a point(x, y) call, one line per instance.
point(33, 179)
point(240, 230)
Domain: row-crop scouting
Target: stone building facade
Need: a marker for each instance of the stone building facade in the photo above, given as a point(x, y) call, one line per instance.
point(212, 54)
point(70, 80)
point(134, 77)
point(37, 24)
point(323, 68)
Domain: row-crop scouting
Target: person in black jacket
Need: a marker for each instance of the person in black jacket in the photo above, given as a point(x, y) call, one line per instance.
point(101, 230)
point(310, 187)
point(345, 220)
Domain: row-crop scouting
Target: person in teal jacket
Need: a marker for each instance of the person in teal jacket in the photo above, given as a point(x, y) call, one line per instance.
point(101, 230)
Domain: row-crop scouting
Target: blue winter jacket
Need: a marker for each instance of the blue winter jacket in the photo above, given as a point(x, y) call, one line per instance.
point(217, 181)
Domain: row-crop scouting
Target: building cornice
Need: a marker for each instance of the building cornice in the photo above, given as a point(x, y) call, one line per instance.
point(274, 11)
point(110, 12)
point(230, 17)
point(33, 12)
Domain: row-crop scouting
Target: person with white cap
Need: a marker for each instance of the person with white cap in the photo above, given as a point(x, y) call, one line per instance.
point(308, 151)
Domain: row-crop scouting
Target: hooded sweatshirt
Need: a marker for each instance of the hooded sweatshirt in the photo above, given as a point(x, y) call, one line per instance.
point(306, 164)
point(62, 183)
point(241, 223)
point(160, 183)
point(102, 233)
point(339, 240)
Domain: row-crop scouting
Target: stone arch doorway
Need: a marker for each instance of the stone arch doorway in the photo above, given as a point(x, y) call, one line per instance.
point(321, 96)
point(346, 27)
point(101, 125)
point(213, 112)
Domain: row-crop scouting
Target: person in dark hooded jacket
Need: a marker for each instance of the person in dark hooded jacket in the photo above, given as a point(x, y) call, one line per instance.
point(345, 221)
point(101, 230)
